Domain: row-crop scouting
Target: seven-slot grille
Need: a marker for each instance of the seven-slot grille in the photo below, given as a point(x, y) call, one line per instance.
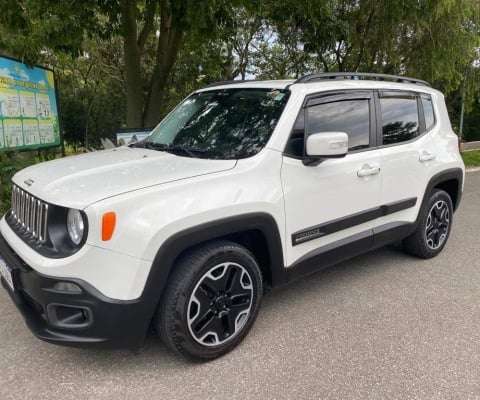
point(30, 214)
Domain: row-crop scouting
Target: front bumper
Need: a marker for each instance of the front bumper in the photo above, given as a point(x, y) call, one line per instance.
point(81, 318)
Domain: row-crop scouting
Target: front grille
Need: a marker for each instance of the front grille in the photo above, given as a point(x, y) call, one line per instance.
point(29, 214)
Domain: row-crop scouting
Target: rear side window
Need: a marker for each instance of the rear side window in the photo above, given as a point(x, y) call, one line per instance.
point(428, 111)
point(399, 117)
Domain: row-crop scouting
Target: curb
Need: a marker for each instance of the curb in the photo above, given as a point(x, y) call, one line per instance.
point(474, 169)
point(470, 146)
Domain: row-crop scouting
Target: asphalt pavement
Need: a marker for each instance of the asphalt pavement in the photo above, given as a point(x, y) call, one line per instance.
point(384, 325)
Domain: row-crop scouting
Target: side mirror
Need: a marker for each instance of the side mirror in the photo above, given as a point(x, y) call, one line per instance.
point(323, 145)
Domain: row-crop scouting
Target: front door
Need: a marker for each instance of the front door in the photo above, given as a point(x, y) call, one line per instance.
point(338, 198)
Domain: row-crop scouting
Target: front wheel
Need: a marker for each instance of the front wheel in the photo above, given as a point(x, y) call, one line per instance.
point(434, 226)
point(211, 300)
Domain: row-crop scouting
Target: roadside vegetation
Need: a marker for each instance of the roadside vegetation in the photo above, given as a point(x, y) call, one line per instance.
point(12, 162)
point(471, 158)
point(9, 164)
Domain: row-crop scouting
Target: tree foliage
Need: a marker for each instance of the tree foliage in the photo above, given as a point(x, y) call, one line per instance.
point(30, 28)
point(92, 93)
point(124, 63)
point(431, 39)
point(153, 33)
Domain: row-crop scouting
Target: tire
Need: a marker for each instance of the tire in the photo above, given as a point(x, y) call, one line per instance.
point(434, 226)
point(211, 300)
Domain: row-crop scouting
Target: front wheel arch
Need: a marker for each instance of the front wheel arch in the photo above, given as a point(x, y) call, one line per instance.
point(235, 229)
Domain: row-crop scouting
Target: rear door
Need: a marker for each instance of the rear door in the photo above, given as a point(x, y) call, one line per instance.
point(406, 122)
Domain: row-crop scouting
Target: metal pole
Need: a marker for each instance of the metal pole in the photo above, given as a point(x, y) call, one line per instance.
point(462, 110)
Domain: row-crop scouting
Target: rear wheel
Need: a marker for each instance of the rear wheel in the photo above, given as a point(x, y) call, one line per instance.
point(211, 300)
point(434, 227)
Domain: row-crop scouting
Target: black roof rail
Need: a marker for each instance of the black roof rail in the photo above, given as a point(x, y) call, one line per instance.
point(221, 83)
point(358, 76)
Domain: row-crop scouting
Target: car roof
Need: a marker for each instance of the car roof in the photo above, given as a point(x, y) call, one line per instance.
point(330, 81)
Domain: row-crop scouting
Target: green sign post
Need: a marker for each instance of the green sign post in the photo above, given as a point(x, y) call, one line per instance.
point(28, 107)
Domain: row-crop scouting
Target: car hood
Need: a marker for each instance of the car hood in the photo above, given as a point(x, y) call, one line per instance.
point(81, 180)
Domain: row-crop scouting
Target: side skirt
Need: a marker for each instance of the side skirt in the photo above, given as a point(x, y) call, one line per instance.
point(347, 248)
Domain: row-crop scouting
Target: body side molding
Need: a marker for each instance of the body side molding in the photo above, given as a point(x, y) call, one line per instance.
point(349, 221)
point(347, 248)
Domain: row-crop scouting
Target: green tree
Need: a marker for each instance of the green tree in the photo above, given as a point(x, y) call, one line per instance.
point(92, 95)
point(167, 48)
point(471, 101)
point(434, 40)
point(153, 33)
point(29, 28)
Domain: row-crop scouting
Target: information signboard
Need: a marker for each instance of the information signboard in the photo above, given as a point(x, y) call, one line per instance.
point(28, 107)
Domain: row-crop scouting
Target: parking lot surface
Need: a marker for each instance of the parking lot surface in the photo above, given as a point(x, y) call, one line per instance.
point(381, 326)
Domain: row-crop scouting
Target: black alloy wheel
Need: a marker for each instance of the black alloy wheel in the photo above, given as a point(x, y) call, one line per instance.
point(220, 304)
point(438, 225)
point(211, 300)
point(433, 226)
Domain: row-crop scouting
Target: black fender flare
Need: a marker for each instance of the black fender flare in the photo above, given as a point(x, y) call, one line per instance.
point(444, 176)
point(168, 252)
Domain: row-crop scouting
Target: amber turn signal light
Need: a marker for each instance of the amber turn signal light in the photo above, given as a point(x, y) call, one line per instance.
point(108, 225)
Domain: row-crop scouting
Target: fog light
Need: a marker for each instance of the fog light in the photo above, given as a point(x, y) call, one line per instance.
point(67, 287)
point(69, 317)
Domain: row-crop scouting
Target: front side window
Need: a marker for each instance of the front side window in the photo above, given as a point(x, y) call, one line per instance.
point(349, 116)
point(220, 124)
point(329, 114)
point(399, 117)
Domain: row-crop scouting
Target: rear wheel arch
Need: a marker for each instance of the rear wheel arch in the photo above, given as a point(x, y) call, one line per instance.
point(433, 229)
point(451, 186)
point(451, 181)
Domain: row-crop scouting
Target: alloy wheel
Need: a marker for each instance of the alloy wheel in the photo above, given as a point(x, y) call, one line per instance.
point(438, 223)
point(220, 304)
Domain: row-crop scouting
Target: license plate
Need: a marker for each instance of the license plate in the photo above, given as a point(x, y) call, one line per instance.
point(6, 272)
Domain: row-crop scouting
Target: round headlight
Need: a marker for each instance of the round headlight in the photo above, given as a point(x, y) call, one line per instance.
point(75, 226)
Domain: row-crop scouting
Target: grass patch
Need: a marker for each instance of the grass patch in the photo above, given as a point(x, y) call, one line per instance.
point(471, 158)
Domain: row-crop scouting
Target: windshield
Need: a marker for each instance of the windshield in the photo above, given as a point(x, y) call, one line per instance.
point(220, 124)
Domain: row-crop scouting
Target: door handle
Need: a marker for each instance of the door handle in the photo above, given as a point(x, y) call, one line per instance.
point(426, 156)
point(367, 170)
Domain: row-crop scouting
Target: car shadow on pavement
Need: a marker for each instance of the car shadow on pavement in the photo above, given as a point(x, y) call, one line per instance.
point(320, 286)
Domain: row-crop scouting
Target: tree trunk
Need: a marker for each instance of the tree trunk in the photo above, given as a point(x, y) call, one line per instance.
point(133, 84)
point(167, 51)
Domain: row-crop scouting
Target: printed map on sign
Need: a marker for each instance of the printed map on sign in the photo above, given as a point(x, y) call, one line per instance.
point(28, 107)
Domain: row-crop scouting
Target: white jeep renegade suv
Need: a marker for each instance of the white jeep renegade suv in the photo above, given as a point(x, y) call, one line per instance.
point(245, 186)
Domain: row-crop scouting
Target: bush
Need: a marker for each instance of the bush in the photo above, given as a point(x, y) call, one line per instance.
point(10, 163)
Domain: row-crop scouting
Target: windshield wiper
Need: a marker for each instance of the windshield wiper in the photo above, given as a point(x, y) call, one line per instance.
point(190, 151)
point(141, 143)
